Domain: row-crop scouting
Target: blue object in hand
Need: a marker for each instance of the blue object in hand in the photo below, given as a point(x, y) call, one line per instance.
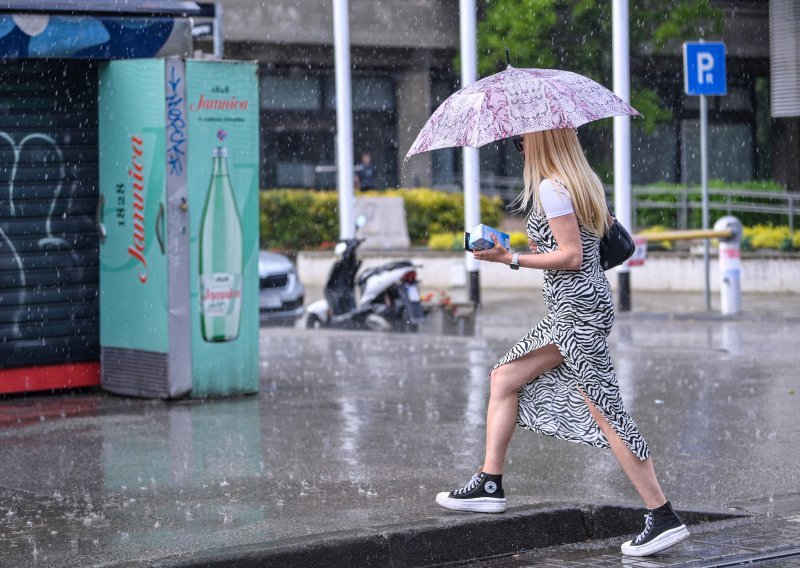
point(480, 238)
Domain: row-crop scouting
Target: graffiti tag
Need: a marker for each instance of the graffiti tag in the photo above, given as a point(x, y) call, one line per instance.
point(176, 125)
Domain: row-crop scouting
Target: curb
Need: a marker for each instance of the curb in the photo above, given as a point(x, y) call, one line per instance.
point(451, 538)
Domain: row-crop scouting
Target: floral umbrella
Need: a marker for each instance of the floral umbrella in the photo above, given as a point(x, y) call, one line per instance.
point(516, 101)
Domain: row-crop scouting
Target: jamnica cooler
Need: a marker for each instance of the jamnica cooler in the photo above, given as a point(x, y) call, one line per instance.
point(179, 204)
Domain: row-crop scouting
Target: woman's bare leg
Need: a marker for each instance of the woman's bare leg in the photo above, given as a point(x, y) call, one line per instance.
point(640, 472)
point(501, 416)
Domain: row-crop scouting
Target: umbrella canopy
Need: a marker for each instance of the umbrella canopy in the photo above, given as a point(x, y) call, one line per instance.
point(516, 101)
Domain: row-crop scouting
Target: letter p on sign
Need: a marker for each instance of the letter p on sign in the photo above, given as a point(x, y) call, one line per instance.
point(705, 63)
point(704, 68)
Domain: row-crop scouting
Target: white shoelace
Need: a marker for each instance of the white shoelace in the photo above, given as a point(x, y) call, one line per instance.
point(648, 524)
point(473, 483)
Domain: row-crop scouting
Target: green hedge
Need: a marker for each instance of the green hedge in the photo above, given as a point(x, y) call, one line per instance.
point(294, 219)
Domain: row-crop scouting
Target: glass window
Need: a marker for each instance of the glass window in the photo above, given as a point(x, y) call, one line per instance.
point(738, 98)
point(369, 93)
point(444, 166)
point(730, 152)
point(373, 93)
point(440, 90)
point(290, 93)
point(299, 159)
point(653, 155)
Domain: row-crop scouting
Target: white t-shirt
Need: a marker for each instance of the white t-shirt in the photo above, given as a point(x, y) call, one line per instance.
point(555, 199)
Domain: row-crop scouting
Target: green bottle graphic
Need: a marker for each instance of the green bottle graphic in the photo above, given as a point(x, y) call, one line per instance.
point(220, 256)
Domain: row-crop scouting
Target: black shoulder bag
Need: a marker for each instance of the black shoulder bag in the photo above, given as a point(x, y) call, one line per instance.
point(616, 246)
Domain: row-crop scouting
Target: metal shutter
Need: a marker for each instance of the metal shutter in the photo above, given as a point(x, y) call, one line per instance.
point(784, 50)
point(48, 196)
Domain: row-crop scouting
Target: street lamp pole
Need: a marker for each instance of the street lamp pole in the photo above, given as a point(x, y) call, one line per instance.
point(472, 204)
point(622, 138)
point(344, 119)
point(218, 37)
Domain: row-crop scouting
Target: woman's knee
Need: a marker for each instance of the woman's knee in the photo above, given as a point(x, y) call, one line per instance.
point(501, 382)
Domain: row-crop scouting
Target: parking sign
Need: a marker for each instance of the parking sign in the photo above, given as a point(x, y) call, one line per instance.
point(704, 68)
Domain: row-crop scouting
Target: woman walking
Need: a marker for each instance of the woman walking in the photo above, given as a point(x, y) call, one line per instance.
point(558, 379)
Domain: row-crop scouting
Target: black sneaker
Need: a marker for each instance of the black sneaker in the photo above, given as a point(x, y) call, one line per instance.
point(483, 494)
point(662, 529)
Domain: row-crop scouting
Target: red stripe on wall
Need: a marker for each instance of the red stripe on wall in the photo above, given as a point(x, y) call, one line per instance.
point(49, 377)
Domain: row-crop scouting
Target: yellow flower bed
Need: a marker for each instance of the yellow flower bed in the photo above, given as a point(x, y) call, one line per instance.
point(519, 240)
point(766, 237)
point(657, 245)
point(446, 241)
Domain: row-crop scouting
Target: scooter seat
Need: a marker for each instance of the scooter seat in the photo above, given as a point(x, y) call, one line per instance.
point(383, 268)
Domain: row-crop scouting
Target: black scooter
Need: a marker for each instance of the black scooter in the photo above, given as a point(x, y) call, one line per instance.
point(388, 300)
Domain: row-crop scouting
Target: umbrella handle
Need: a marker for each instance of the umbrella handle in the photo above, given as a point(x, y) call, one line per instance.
point(508, 58)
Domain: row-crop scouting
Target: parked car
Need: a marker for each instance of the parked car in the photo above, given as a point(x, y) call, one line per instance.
point(280, 291)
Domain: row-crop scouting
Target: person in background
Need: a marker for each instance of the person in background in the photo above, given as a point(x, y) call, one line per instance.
point(365, 178)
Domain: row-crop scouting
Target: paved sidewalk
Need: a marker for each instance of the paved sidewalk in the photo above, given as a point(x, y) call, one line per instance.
point(765, 541)
point(353, 433)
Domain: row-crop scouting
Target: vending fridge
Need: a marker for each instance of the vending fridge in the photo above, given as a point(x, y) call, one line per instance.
point(178, 218)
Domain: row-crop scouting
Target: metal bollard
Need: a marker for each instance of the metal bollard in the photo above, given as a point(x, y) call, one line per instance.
point(730, 266)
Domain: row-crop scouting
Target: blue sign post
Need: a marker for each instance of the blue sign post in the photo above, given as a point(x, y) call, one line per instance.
point(704, 74)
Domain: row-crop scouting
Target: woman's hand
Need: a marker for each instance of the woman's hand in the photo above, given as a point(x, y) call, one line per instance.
point(532, 245)
point(496, 254)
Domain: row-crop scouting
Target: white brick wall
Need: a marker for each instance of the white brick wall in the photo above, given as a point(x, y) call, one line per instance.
point(660, 272)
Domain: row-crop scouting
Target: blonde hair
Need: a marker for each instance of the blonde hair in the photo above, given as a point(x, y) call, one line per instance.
point(557, 155)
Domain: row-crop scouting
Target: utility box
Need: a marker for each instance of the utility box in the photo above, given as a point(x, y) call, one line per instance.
point(178, 217)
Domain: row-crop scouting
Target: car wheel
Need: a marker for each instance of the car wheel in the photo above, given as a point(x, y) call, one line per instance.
point(313, 322)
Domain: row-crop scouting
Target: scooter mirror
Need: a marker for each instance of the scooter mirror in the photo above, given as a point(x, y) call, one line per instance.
point(339, 249)
point(361, 220)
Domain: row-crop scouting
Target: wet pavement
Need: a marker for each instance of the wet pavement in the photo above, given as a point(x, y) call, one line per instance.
point(356, 431)
point(765, 542)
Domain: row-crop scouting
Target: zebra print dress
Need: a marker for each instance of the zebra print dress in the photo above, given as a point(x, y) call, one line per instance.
point(581, 312)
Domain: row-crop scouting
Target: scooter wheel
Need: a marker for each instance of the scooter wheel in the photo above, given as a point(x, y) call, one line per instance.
point(404, 325)
point(313, 322)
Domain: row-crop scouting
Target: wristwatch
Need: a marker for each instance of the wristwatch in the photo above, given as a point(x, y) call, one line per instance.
point(514, 261)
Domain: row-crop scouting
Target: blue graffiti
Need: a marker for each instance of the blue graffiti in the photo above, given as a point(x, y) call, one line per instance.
point(176, 125)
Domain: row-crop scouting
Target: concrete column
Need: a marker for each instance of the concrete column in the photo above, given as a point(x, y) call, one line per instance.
point(413, 110)
point(786, 152)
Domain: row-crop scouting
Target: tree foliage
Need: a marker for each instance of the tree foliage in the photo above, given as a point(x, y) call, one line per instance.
point(576, 35)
